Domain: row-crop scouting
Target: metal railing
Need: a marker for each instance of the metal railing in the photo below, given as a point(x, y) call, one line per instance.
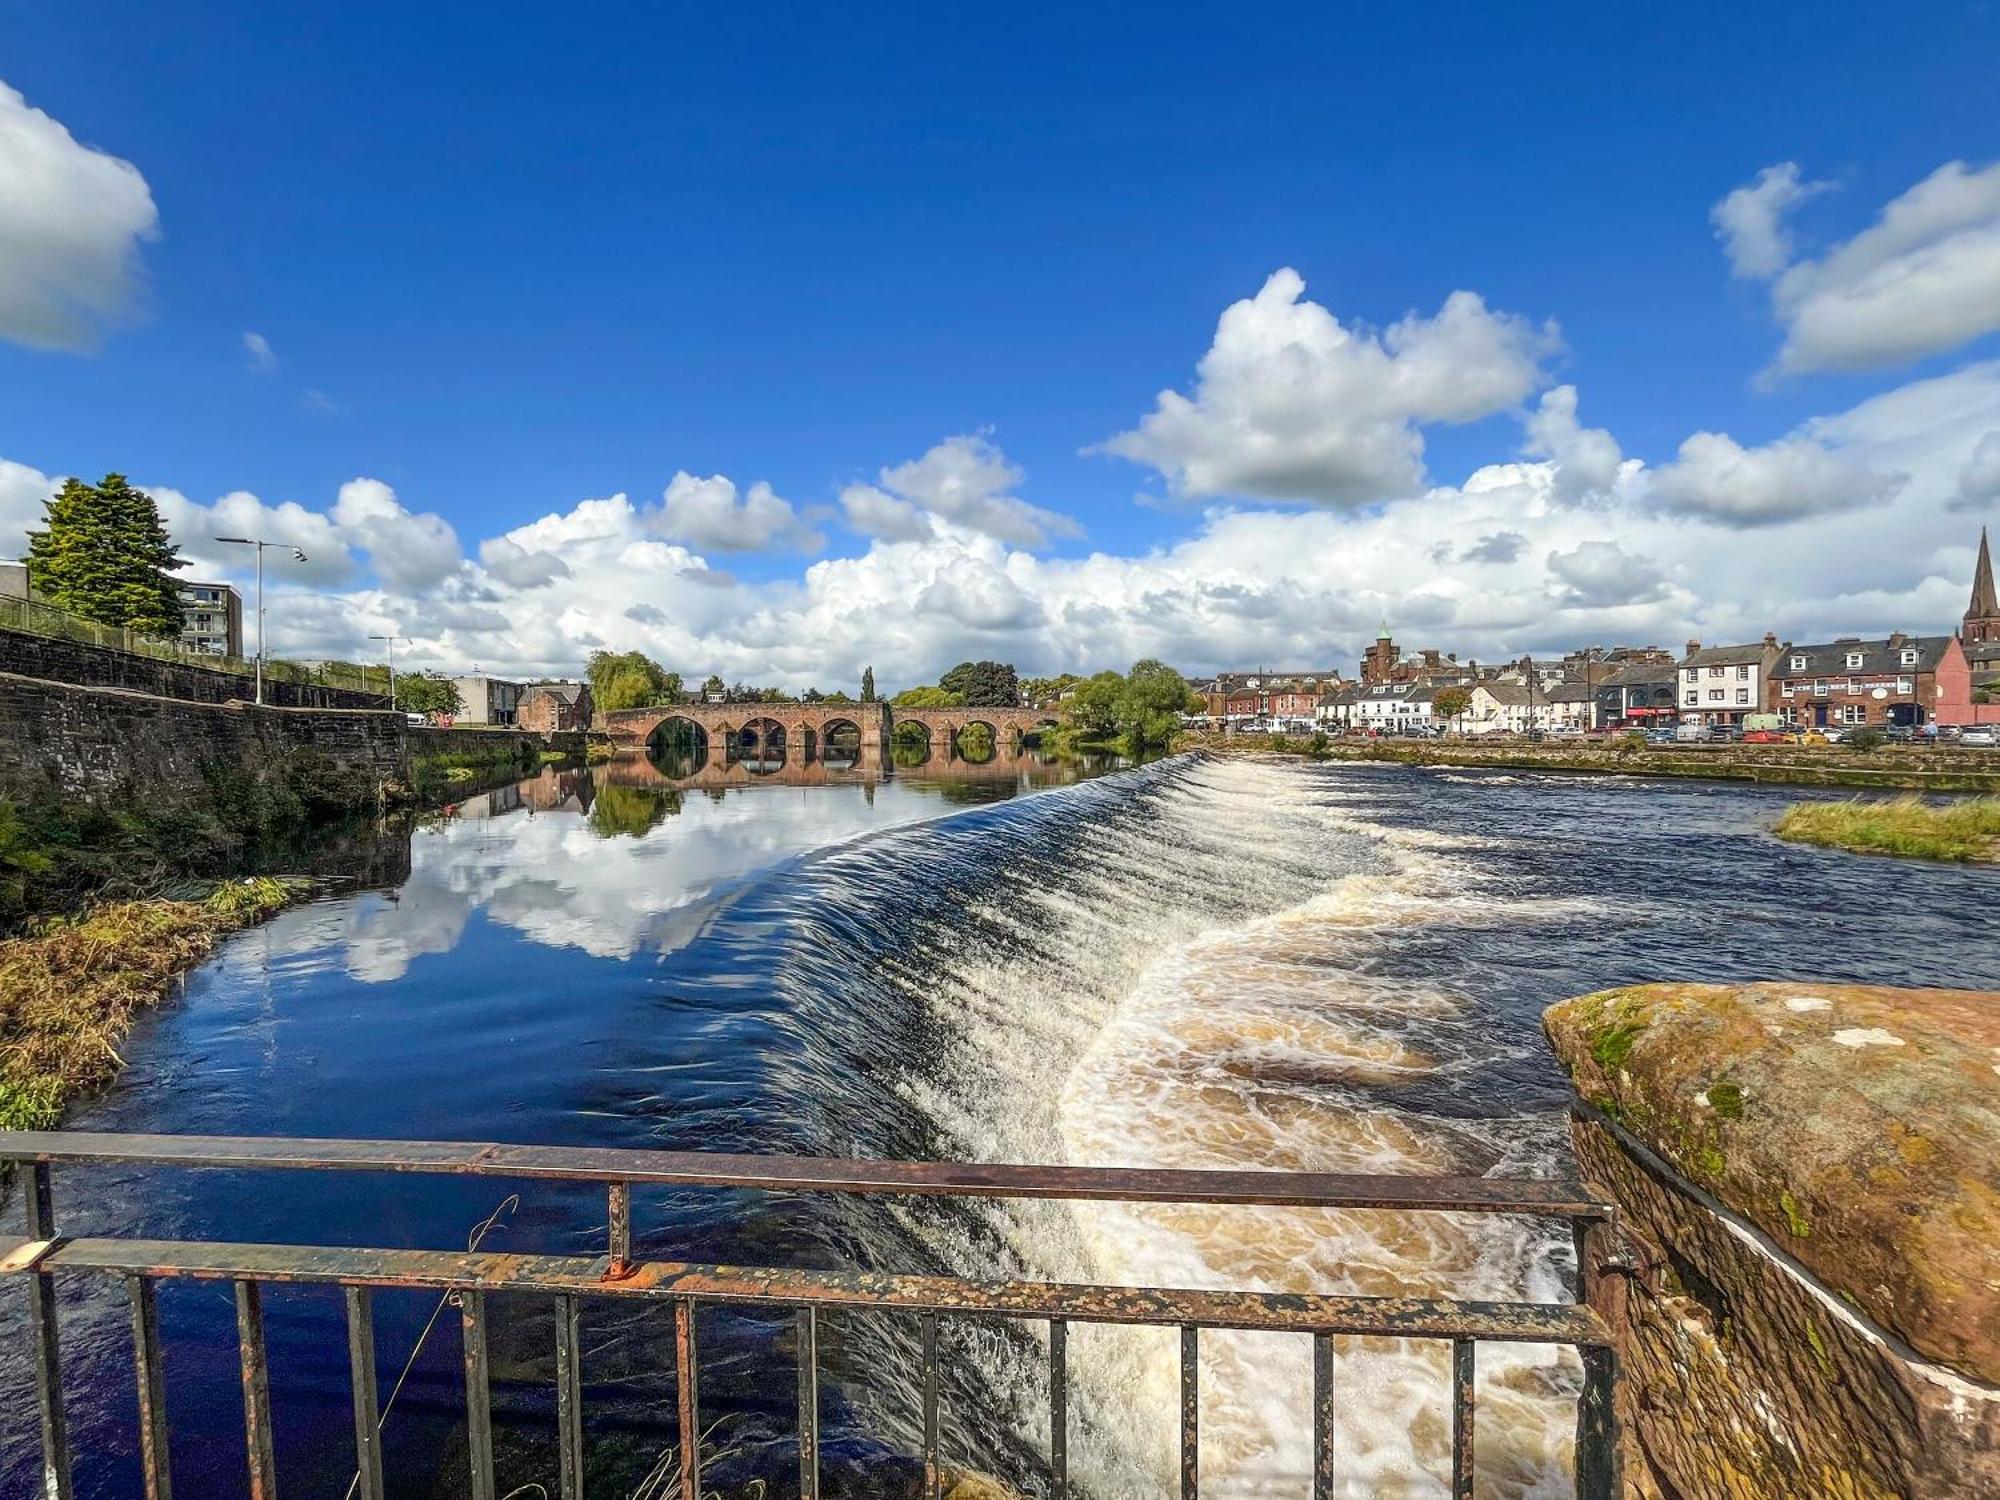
point(37, 617)
point(473, 1276)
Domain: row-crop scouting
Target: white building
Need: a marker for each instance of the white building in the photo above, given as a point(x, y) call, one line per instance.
point(487, 700)
point(1498, 708)
point(1725, 684)
point(1391, 707)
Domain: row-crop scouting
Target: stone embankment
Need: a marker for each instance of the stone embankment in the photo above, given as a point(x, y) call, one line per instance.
point(1895, 768)
point(28, 655)
point(1809, 1182)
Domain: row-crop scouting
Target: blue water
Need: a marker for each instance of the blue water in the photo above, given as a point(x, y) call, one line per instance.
point(913, 968)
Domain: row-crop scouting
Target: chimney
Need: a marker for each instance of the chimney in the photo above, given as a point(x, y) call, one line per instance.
point(1770, 640)
point(1693, 646)
point(1896, 638)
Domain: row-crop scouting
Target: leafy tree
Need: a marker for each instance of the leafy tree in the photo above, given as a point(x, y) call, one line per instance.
point(834, 698)
point(419, 693)
point(927, 697)
point(1036, 691)
point(983, 684)
point(630, 679)
point(1451, 703)
point(1092, 710)
point(714, 687)
point(1151, 704)
point(867, 684)
point(104, 553)
point(1865, 739)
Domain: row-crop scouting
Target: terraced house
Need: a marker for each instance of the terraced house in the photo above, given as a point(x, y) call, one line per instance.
point(1724, 685)
point(1883, 683)
point(1900, 680)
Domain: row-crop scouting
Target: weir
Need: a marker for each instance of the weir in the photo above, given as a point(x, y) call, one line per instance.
point(41, 1256)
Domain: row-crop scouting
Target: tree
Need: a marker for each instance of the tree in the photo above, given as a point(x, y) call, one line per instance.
point(630, 679)
point(1151, 704)
point(1092, 710)
point(983, 684)
point(867, 684)
point(927, 697)
point(1037, 692)
point(419, 693)
point(713, 689)
point(104, 553)
point(1451, 703)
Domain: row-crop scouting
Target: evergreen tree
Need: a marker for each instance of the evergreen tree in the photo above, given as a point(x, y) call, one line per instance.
point(104, 553)
point(867, 684)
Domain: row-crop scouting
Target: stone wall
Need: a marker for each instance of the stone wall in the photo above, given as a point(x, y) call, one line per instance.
point(106, 746)
point(1809, 1182)
point(29, 655)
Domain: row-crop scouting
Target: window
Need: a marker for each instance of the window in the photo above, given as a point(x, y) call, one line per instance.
point(1909, 659)
point(1854, 658)
point(1788, 690)
point(1715, 671)
point(1693, 699)
point(1905, 685)
point(1743, 695)
point(1690, 674)
point(1742, 674)
point(1798, 664)
point(1819, 688)
point(1716, 695)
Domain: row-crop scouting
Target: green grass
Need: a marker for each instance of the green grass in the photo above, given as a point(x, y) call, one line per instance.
point(1964, 831)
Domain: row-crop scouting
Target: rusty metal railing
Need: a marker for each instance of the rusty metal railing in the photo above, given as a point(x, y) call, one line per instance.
point(472, 1275)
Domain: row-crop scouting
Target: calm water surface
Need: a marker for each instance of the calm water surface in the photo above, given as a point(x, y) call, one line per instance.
point(1193, 963)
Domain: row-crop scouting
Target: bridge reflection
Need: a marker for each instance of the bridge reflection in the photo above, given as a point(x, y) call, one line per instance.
point(773, 762)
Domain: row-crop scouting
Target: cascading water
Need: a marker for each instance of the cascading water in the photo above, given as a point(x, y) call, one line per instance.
point(1199, 963)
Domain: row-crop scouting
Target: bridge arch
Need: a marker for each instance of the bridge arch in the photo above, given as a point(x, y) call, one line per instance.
point(839, 743)
point(760, 745)
point(976, 741)
point(678, 745)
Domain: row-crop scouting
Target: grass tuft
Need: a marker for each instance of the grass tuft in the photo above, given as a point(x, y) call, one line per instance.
point(1963, 831)
point(68, 994)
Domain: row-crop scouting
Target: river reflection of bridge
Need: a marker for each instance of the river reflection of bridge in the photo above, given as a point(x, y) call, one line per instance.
point(1001, 762)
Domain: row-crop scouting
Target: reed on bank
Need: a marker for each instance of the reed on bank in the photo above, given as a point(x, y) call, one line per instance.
point(1965, 831)
point(69, 992)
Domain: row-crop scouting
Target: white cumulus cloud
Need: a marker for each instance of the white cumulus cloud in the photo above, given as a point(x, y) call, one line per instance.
point(1719, 479)
point(72, 219)
point(1924, 278)
point(707, 513)
point(965, 480)
point(1978, 481)
point(1289, 404)
point(407, 550)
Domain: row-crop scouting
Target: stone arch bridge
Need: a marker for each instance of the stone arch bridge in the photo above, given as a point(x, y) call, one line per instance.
point(767, 736)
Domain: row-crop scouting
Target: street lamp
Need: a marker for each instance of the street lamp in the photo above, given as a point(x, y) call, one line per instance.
point(390, 641)
point(298, 555)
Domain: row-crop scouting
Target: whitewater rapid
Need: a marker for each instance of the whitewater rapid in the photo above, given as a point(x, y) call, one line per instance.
point(1198, 987)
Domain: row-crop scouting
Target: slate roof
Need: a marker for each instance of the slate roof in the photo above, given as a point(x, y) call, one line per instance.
point(1725, 656)
point(562, 692)
point(1513, 694)
point(1877, 657)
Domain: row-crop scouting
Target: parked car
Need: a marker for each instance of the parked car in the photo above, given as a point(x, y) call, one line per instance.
point(1979, 737)
point(421, 720)
point(1660, 736)
point(1899, 734)
point(1766, 737)
point(1693, 734)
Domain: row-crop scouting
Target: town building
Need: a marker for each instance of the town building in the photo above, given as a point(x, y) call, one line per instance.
point(487, 700)
point(212, 619)
point(1235, 700)
point(555, 707)
point(1389, 707)
point(1638, 696)
point(1381, 661)
point(1852, 682)
point(1724, 685)
point(1568, 705)
point(1497, 707)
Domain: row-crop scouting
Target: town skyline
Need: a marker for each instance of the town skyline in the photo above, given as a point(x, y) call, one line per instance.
point(676, 399)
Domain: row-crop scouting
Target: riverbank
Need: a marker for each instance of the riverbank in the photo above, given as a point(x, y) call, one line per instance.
point(69, 993)
point(1894, 768)
point(1966, 832)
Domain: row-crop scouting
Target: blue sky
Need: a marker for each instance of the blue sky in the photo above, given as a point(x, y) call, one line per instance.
point(507, 259)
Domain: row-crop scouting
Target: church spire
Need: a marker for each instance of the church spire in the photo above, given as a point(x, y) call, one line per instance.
point(1982, 615)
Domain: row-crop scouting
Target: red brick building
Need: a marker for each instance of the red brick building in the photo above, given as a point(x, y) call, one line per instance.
point(553, 707)
point(1905, 680)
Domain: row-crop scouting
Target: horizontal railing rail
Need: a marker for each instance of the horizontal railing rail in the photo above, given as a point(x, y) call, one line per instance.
point(470, 1276)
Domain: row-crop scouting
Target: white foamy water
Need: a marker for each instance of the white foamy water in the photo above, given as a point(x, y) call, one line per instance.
point(1197, 991)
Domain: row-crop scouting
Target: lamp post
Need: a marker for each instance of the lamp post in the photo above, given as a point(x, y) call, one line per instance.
point(390, 642)
point(298, 555)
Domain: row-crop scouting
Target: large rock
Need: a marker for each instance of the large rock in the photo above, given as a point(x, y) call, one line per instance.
point(1855, 1349)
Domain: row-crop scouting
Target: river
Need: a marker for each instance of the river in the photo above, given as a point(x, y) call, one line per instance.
point(1199, 962)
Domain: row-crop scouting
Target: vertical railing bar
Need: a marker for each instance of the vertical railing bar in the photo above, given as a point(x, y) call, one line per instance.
point(686, 1378)
point(478, 1394)
point(39, 1205)
point(1190, 1412)
point(153, 1461)
point(256, 1369)
point(933, 1480)
point(1597, 1456)
point(808, 1325)
point(569, 1398)
point(367, 1407)
point(1059, 1408)
point(1463, 1352)
point(619, 1228)
point(1325, 1453)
